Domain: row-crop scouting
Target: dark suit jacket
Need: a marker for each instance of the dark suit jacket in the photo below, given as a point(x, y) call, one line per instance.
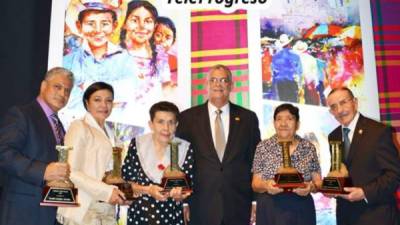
point(222, 191)
point(373, 165)
point(27, 145)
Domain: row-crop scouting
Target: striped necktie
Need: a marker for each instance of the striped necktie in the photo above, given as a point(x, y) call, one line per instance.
point(58, 128)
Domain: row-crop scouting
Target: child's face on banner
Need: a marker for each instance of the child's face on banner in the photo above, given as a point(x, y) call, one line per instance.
point(164, 36)
point(139, 26)
point(96, 28)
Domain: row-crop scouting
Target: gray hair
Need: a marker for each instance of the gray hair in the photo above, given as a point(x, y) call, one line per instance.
point(221, 67)
point(59, 71)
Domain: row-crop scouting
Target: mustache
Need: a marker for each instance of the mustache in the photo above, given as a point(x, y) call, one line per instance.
point(343, 114)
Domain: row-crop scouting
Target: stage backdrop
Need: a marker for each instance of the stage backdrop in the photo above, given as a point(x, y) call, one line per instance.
point(329, 42)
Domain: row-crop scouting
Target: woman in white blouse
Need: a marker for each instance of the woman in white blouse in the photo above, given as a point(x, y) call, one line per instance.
point(90, 158)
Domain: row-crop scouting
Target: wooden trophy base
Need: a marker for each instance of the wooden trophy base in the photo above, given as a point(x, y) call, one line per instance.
point(59, 196)
point(335, 185)
point(167, 183)
point(126, 189)
point(122, 185)
point(289, 179)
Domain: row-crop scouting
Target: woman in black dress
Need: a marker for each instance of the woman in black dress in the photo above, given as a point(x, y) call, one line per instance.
point(148, 157)
point(274, 206)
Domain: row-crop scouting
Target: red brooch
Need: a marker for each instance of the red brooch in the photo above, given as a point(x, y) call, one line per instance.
point(161, 167)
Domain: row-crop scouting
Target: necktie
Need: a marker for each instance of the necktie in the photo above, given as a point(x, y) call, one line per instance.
point(219, 135)
point(346, 141)
point(58, 128)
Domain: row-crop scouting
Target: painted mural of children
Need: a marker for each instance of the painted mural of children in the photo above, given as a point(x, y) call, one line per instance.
point(97, 59)
point(165, 36)
point(137, 38)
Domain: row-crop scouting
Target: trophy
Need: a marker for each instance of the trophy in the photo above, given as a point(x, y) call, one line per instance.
point(338, 177)
point(287, 176)
point(173, 175)
point(114, 177)
point(60, 192)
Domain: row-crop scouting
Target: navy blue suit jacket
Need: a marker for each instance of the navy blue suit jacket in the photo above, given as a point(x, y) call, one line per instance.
point(222, 190)
point(27, 145)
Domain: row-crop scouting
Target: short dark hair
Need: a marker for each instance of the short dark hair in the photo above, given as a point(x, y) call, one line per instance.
point(288, 107)
point(168, 23)
point(164, 106)
point(96, 87)
point(343, 88)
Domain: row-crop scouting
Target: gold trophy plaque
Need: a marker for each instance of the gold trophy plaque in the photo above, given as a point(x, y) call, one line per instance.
point(173, 175)
point(338, 177)
point(60, 192)
point(114, 177)
point(287, 176)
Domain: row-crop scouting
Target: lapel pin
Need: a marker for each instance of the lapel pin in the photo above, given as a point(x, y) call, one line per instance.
point(237, 118)
point(360, 131)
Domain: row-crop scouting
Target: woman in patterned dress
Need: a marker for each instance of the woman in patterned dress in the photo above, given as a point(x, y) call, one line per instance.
point(274, 206)
point(147, 158)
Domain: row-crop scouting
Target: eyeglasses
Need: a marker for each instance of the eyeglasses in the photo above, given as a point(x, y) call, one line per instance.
point(223, 80)
point(335, 107)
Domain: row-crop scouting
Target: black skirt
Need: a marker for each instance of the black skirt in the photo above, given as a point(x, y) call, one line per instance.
point(285, 209)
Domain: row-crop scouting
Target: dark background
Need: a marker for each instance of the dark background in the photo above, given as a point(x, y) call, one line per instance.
point(24, 29)
point(24, 42)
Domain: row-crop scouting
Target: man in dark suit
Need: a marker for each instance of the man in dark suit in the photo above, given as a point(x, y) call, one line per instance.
point(27, 152)
point(372, 160)
point(224, 145)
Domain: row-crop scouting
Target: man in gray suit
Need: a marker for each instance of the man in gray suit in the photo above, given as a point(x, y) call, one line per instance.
point(28, 136)
point(224, 137)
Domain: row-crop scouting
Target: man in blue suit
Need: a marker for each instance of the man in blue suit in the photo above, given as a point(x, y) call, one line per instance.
point(28, 136)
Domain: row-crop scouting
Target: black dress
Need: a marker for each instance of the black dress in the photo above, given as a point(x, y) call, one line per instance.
point(145, 210)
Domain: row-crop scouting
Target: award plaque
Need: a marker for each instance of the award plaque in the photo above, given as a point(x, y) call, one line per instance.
point(60, 192)
point(338, 177)
point(114, 177)
point(287, 176)
point(173, 175)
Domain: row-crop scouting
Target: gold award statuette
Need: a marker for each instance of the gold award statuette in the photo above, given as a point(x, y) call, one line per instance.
point(338, 177)
point(173, 175)
point(114, 177)
point(60, 192)
point(287, 176)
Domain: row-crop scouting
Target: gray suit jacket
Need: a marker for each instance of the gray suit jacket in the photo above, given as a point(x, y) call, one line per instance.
point(27, 145)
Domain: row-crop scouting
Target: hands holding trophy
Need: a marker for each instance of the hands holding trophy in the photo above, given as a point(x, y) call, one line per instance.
point(338, 177)
point(173, 175)
point(287, 176)
point(114, 177)
point(60, 192)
